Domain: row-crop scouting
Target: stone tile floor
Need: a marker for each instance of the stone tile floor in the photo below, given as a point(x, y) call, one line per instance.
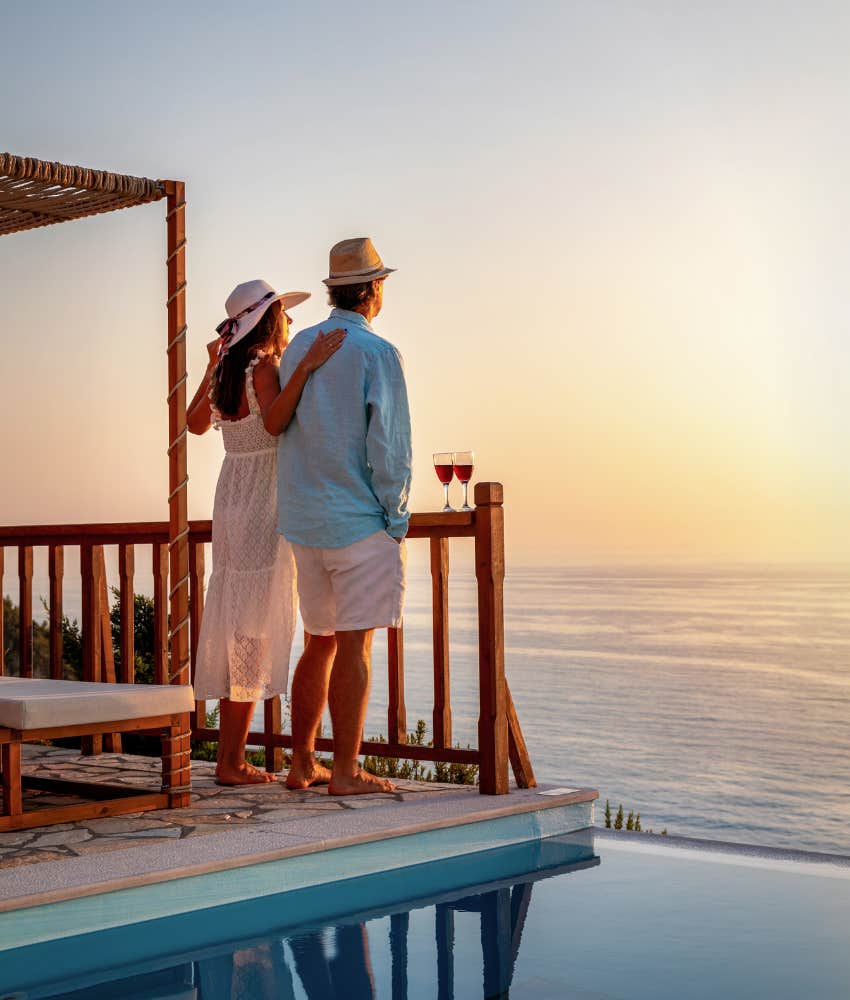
point(214, 808)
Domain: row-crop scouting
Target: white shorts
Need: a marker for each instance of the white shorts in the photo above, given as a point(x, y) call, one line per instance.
point(359, 586)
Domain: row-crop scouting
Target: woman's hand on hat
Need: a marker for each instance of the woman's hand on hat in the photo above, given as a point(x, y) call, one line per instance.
point(323, 347)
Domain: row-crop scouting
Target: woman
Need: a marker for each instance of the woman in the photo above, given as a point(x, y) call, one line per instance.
point(249, 616)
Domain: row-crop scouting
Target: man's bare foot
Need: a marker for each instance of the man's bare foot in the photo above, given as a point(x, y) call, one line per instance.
point(241, 774)
point(302, 775)
point(361, 783)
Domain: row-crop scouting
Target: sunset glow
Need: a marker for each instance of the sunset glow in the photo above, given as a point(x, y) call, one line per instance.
point(620, 237)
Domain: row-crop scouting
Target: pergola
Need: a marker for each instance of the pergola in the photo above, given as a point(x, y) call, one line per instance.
point(35, 193)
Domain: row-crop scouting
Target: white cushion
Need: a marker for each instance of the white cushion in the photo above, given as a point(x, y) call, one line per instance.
point(42, 704)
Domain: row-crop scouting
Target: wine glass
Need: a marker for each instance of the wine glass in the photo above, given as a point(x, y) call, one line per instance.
point(464, 463)
point(444, 467)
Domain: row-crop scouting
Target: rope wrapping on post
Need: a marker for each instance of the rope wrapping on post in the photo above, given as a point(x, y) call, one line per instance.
point(180, 335)
point(176, 441)
point(174, 389)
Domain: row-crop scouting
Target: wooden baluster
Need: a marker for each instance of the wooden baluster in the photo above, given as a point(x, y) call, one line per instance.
point(25, 610)
point(396, 712)
point(160, 613)
point(440, 619)
point(127, 644)
point(91, 629)
point(56, 568)
point(111, 741)
point(2, 616)
point(272, 724)
point(196, 614)
point(490, 573)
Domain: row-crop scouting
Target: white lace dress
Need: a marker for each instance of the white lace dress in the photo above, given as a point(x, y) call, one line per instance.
point(251, 602)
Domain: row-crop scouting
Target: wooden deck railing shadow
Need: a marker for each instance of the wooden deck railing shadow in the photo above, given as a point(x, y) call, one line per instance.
point(500, 740)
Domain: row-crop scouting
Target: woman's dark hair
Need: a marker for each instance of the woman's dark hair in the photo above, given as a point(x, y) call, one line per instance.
point(265, 338)
point(351, 296)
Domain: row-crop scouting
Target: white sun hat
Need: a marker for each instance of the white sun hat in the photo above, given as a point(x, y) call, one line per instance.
point(245, 307)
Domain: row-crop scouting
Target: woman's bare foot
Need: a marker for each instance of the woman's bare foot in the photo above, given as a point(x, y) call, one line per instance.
point(241, 774)
point(361, 783)
point(311, 772)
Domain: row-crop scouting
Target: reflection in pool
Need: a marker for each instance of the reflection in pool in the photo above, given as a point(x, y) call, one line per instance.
point(538, 921)
point(335, 957)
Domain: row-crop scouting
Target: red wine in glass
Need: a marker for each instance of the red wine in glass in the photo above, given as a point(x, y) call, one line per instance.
point(444, 467)
point(464, 463)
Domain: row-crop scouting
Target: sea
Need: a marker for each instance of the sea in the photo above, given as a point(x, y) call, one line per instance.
point(714, 701)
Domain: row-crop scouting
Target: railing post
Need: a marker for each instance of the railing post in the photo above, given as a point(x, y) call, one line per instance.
point(25, 610)
point(490, 573)
point(56, 567)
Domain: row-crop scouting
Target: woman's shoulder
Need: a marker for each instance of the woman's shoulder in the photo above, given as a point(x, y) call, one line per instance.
point(266, 373)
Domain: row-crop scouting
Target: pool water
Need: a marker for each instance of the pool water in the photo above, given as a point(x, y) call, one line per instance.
point(575, 917)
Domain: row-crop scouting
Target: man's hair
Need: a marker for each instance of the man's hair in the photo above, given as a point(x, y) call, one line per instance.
point(351, 296)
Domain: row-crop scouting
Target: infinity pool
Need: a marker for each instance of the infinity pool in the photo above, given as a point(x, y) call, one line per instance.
point(575, 917)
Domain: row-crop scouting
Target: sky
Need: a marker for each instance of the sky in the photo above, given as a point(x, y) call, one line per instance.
point(620, 232)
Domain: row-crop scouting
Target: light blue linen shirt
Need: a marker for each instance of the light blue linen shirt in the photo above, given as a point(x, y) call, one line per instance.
point(344, 461)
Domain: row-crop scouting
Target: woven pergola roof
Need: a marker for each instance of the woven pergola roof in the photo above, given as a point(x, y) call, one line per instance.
point(36, 193)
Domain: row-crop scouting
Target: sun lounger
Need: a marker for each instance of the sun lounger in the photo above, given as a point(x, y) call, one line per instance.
point(32, 710)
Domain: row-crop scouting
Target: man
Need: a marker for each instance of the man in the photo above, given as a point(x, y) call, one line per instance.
point(344, 467)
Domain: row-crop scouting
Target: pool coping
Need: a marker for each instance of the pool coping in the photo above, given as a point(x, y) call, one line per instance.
point(59, 881)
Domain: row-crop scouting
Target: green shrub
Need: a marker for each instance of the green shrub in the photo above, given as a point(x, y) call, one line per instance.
point(415, 770)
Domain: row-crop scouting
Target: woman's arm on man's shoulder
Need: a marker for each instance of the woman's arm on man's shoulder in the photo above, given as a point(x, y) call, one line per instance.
point(278, 404)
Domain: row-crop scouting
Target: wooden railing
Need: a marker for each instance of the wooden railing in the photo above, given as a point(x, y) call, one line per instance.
point(500, 739)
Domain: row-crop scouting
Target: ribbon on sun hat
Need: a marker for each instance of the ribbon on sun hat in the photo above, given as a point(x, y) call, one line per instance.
point(227, 328)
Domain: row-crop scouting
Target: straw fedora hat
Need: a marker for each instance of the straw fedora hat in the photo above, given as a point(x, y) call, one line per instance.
point(355, 261)
point(246, 305)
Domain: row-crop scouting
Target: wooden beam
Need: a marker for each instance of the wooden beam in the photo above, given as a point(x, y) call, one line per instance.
point(517, 750)
point(178, 518)
point(404, 751)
